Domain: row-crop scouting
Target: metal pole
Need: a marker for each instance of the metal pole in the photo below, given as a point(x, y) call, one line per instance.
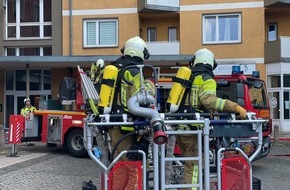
point(2, 137)
point(27, 81)
point(206, 154)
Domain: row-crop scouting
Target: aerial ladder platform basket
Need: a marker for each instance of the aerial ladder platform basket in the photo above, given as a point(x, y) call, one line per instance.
point(225, 163)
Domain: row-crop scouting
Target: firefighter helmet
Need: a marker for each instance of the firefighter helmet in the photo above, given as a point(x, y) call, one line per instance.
point(100, 63)
point(136, 47)
point(203, 56)
point(26, 99)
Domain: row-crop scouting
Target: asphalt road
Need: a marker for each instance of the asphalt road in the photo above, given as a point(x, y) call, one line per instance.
point(274, 170)
point(44, 168)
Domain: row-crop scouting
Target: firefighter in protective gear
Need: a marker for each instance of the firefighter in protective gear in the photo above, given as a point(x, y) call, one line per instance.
point(202, 97)
point(96, 70)
point(27, 109)
point(26, 113)
point(134, 53)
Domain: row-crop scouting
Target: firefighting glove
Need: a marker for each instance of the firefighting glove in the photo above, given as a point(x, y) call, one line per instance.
point(141, 144)
point(234, 107)
point(242, 113)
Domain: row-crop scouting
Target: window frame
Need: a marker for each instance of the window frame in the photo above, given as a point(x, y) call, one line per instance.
point(97, 21)
point(217, 16)
point(18, 49)
point(149, 34)
point(169, 29)
point(18, 24)
point(276, 31)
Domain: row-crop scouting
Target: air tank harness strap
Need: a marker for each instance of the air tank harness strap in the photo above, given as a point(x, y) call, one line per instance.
point(109, 82)
point(183, 82)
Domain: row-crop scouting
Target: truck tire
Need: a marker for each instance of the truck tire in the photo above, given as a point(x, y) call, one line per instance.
point(74, 143)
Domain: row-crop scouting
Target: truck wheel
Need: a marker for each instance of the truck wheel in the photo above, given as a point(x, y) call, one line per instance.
point(75, 144)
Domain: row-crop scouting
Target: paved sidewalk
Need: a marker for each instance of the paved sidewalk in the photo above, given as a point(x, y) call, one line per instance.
point(24, 153)
point(38, 167)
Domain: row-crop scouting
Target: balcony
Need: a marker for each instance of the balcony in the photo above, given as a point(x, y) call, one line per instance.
point(158, 5)
point(278, 51)
point(276, 3)
point(163, 48)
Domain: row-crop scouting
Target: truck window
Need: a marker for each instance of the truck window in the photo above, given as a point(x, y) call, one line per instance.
point(258, 97)
point(227, 91)
point(257, 93)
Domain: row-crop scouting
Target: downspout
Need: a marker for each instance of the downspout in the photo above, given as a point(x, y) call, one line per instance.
point(70, 28)
point(27, 81)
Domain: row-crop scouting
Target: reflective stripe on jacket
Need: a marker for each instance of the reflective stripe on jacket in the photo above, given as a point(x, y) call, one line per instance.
point(203, 93)
point(25, 111)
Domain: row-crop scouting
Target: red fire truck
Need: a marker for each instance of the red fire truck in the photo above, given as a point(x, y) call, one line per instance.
point(53, 127)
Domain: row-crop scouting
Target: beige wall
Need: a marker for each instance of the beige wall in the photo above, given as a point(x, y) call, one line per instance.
point(262, 69)
point(99, 4)
point(252, 45)
point(128, 25)
point(282, 19)
point(197, 2)
point(162, 23)
point(127, 22)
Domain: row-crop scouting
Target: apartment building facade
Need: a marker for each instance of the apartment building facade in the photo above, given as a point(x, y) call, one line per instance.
point(277, 60)
point(83, 31)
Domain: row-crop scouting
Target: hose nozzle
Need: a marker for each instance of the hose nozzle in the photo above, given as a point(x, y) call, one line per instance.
point(159, 135)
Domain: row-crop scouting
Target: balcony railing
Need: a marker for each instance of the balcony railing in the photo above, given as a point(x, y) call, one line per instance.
point(158, 5)
point(163, 48)
point(278, 51)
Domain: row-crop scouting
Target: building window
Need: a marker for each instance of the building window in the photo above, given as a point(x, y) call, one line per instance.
point(100, 33)
point(28, 19)
point(274, 81)
point(28, 51)
point(286, 80)
point(39, 80)
point(272, 32)
point(152, 34)
point(223, 28)
point(172, 34)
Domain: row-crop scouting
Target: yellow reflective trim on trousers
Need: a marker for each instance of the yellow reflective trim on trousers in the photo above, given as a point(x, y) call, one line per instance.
point(220, 104)
point(194, 179)
point(126, 128)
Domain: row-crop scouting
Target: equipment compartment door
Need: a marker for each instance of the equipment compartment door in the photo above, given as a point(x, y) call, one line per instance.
point(54, 129)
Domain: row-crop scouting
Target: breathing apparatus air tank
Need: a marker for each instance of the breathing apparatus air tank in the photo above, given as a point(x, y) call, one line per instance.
point(108, 89)
point(180, 83)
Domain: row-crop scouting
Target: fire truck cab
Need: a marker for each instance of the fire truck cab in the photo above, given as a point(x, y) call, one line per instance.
point(249, 92)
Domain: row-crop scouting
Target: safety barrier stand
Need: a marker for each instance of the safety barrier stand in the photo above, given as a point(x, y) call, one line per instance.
point(15, 132)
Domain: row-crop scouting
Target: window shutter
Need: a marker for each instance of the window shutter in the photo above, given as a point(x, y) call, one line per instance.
point(91, 33)
point(107, 33)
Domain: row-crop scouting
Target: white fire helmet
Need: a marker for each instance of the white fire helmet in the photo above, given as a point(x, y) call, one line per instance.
point(100, 63)
point(204, 56)
point(26, 99)
point(136, 47)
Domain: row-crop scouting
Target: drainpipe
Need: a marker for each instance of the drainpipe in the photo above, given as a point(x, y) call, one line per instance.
point(27, 81)
point(70, 28)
